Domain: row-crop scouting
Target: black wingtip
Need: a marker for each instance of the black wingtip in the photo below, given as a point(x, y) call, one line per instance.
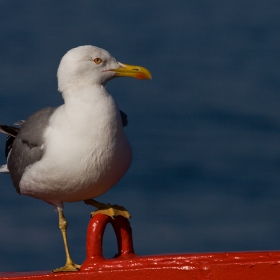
point(124, 118)
point(9, 130)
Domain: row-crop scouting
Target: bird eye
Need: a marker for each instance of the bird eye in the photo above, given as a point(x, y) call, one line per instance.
point(97, 60)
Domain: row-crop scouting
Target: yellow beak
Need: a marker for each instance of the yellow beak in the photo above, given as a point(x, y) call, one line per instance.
point(137, 72)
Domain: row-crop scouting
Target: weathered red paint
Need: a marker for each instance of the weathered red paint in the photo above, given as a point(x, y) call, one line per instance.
point(127, 265)
point(228, 266)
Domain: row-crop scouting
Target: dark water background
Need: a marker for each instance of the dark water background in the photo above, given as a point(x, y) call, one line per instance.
point(205, 131)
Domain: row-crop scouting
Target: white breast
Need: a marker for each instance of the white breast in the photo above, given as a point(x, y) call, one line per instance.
point(86, 152)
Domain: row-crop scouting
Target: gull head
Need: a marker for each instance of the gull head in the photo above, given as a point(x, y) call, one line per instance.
point(85, 66)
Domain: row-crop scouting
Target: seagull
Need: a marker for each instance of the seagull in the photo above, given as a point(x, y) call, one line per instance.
point(77, 151)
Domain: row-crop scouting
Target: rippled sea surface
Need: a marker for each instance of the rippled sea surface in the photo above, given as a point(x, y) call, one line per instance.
point(205, 131)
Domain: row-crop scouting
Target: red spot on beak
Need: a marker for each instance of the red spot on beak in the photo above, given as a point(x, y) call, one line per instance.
point(141, 76)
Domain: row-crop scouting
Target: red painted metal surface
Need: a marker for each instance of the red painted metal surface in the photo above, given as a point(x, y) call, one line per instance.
point(127, 265)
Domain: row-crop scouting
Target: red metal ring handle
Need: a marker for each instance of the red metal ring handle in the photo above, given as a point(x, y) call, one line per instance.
point(94, 239)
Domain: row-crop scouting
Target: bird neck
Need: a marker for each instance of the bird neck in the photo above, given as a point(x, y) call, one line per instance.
point(89, 94)
point(90, 103)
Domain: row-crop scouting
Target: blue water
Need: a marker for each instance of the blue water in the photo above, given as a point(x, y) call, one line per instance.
point(205, 131)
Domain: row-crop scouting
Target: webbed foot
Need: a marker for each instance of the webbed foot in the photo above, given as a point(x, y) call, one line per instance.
point(107, 209)
point(71, 266)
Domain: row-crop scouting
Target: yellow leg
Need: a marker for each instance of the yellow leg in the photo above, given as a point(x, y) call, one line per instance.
point(70, 265)
point(107, 209)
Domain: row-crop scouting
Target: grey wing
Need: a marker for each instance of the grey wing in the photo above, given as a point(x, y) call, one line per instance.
point(27, 147)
